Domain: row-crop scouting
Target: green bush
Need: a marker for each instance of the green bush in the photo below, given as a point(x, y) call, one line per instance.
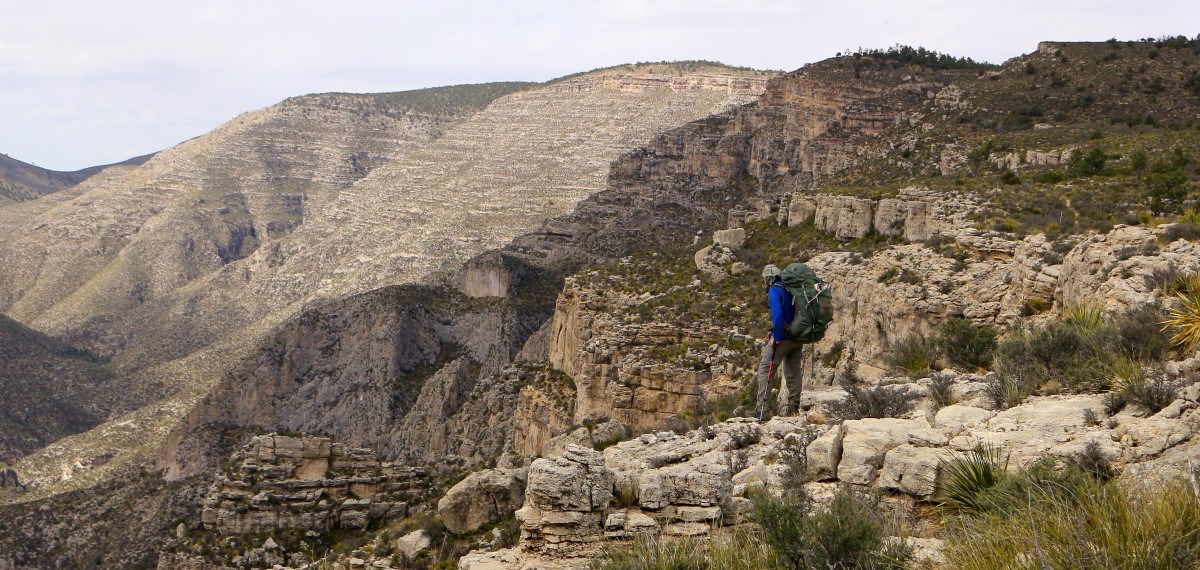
point(967, 345)
point(1153, 394)
point(914, 356)
point(847, 534)
point(878, 401)
point(941, 389)
point(1140, 334)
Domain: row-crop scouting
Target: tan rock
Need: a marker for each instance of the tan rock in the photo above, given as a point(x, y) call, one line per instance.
point(481, 498)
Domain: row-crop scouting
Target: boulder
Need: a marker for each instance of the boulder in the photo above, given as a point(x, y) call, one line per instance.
point(694, 483)
point(957, 416)
point(912, 470)
point(483, 497)
point(574, 481)
point(733, 239)
point(413, 543)
point(867, 441)
point(824, 454)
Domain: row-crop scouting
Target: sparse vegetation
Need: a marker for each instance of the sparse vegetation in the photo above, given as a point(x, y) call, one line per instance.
point(967, 345)
point(1059, 516)
point(863, 401)
point(941, 389)
point(914, 356)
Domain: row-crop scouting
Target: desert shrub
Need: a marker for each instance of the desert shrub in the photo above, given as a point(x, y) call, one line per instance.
point(1140, 334)
point(1133, 384)
point(1153, 394)
point(847, 534)
point(1092, 462)
point(742, 551)
point(1035, 305)
point(1005, 389)
point(941, 389)
point(967, 345)
point(510, 532)
point(1182, 230)
point(1076, 352)
point(625, 493)
point(1074, 521)
point(877, 401)
point(1017, 374)
point(1090, 163)
point(914, 356)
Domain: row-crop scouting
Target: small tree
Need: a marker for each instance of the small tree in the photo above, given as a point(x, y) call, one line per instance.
point(1138, 161)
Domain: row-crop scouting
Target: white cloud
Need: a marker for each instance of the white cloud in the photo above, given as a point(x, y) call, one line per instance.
point(83, 83)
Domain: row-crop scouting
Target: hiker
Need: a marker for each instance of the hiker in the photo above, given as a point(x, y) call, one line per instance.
point(801, 310)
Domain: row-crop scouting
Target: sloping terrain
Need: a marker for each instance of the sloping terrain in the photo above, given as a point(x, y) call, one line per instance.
point(144, 294)
point(20, 181)
point(50, 390)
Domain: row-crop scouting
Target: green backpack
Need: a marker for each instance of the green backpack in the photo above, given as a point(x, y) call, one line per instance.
point(812, 300)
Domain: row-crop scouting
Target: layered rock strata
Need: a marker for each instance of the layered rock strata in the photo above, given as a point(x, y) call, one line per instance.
point(695, 484)
point(308, 483)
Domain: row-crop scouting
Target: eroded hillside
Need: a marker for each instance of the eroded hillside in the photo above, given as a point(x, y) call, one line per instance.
point(936, 198)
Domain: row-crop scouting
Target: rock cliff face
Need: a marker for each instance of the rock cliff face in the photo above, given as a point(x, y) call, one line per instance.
point(324, 197)
point(322, 224)
point(308, 483)
point(396, 370)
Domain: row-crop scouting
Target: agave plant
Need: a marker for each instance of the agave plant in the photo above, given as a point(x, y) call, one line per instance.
point(1184, 319)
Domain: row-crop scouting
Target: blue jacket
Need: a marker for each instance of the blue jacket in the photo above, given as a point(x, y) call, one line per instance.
point(782, 311)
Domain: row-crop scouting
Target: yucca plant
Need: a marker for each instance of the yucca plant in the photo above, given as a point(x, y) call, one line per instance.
point(969, 478)
point(1125, 372)
point(1184, 320)
point(1087, 319)
point(1184, 284)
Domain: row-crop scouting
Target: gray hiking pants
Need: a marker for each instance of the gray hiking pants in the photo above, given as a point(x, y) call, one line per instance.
point(788, 357)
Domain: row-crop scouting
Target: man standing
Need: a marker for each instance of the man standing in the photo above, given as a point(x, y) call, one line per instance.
point(780, 351)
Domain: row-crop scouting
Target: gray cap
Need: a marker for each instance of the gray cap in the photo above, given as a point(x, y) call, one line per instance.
point(770, 272)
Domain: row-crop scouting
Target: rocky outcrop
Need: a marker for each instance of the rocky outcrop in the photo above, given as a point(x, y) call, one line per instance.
point(308, 483)
point(695, 484)
point(483, 497)
point(1123, 268)
point(916, 214)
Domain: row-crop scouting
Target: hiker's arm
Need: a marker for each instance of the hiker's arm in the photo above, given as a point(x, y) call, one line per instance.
point(778, 324)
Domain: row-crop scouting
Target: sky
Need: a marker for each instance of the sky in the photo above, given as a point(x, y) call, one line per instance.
point(84, 83)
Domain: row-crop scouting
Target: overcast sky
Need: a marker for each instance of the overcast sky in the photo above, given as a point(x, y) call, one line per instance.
point(92, 82)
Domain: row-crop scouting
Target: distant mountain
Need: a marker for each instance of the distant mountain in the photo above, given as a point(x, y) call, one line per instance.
point(50, 390)
point(20, 181)
point(180, 267)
